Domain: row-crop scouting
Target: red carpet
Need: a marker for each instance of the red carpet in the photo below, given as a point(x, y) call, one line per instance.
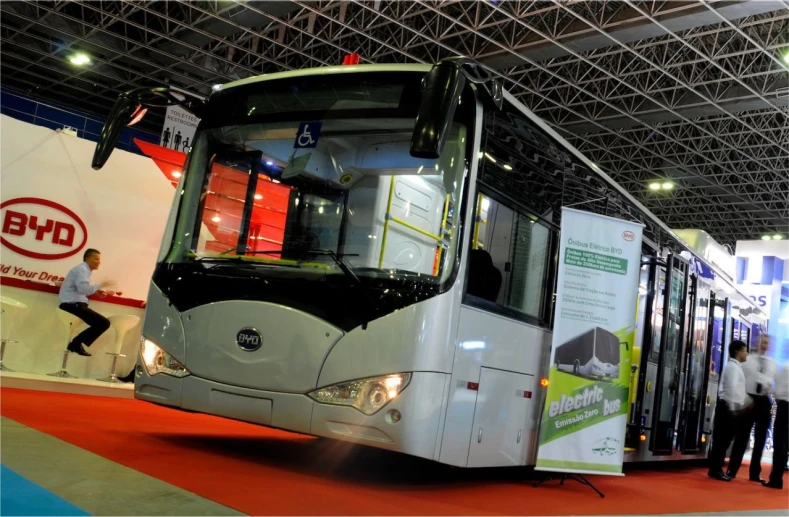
point(260, 471)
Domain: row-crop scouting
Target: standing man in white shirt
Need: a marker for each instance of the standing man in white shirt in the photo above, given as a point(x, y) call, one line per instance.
point(732, 400)
point(780, 429)
point(74, 299)
point(759, 373)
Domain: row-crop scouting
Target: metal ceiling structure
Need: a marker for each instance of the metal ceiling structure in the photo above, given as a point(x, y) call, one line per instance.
point(694, 92)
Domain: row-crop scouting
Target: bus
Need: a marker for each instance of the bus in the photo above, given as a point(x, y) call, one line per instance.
point(369, 253)
point(595, 353)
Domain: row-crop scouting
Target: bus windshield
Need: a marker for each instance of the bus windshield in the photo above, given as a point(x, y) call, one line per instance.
point(308, 180)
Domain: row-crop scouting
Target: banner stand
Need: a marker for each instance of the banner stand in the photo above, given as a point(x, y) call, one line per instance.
point(565, 476)
point(584, 418)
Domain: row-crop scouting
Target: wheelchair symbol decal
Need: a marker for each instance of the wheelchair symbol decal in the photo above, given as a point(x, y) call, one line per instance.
point(307, 135)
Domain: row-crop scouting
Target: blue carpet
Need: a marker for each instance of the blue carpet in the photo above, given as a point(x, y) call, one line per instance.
point(19, 496)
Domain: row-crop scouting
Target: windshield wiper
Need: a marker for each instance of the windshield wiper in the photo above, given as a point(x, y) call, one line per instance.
point(350, 273)
point(320, 251)
point(337, 260)
point(221, 257)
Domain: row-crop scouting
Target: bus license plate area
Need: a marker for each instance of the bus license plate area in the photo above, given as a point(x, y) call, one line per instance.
point(241, 407)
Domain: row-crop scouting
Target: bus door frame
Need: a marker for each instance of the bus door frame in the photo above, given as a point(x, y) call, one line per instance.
point(659, 379)
point(699, 428)
point(653, 263)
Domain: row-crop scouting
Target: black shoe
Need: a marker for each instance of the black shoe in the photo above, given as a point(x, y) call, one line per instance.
point(79, 349)
point(770, 484)
point(720, 476)
point(757, 479)
point(730, 475)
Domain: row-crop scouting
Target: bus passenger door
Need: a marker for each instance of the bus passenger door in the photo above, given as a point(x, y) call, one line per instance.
point(696, 369)
point(666, 353)
point(717, 354)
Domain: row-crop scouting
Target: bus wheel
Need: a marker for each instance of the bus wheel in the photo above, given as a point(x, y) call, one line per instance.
point(576, 367)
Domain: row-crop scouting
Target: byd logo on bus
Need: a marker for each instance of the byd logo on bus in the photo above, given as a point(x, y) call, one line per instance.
point(249, 339)
point(41, 229)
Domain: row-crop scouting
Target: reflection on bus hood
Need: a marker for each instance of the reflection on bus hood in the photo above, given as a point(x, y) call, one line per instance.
point(333, 298)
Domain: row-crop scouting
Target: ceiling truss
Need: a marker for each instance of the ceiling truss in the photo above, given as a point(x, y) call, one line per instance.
point(695, 92)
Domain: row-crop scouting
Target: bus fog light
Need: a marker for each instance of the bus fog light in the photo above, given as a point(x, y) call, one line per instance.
point(157, 360)
point(366, 395)
point(394, 416)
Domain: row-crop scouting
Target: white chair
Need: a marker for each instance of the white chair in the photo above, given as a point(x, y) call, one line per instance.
point(122, 323)
point(10, 308)
point(70, 324)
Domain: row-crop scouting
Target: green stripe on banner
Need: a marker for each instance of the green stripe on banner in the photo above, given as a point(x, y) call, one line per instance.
point(578, 465)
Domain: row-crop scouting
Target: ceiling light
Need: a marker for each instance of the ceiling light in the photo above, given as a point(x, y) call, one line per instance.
point(507, 167)
point(777, 237)
point(258, 196)
point(176, 174)
point(654, 186)
point(216, 219)
point(216, 87)
point(269, 163)
point(667, 185)
point(79, 59)
point(489, 157)
point(766, 237)
point(786, 58)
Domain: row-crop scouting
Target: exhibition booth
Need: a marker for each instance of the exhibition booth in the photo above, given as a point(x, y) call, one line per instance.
point(54, 206)
point(763, 274)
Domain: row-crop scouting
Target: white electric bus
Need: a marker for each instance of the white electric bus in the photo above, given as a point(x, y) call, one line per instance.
point(368, 253)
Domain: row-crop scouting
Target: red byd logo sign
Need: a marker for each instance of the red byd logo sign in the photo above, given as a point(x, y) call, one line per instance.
point(629, 236)
point(41, 229)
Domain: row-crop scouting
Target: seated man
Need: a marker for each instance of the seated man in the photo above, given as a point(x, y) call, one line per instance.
point(74, 294)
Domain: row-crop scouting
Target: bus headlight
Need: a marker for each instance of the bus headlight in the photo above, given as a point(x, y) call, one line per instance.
point(366, 395)
point(157, 360)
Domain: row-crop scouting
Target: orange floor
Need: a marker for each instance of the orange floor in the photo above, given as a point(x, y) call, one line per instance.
point(266, 472)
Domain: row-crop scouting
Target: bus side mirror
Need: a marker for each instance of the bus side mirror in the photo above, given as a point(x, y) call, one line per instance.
point(130, 108)
point(121, 115)
point(441, 89)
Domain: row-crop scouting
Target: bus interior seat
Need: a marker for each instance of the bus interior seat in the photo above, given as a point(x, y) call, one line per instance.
point(484, 279)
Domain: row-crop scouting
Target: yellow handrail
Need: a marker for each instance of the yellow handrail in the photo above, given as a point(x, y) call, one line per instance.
point(416, 229)
point(443, 233)
point(446, 214)
point(386, 223)
point(477, 221)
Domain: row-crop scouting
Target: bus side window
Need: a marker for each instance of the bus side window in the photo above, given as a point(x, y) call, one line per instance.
point(510, 260)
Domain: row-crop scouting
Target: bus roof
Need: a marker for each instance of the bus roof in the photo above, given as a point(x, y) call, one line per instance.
point(340, 69)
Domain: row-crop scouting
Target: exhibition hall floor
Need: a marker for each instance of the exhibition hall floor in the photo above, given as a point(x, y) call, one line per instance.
point(68, 454)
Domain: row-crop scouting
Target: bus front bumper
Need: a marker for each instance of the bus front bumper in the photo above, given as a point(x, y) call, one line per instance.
point(415, 432)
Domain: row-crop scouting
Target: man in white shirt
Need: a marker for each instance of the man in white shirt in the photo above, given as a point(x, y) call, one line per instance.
point(759, 373)
point(780, 429)
point(732, 400)
point(74, 294)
